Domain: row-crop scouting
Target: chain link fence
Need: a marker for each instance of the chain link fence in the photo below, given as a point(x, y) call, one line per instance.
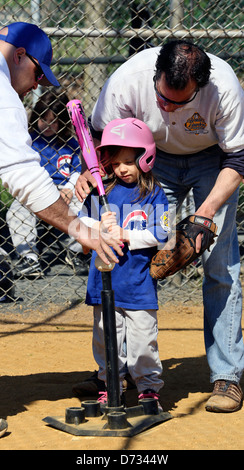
point(90, 40)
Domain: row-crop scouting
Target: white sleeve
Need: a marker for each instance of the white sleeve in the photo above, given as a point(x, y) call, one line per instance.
point(20, 169)
point(141, 239)
point(15, 140)
point(229, 122)
point(31, 186)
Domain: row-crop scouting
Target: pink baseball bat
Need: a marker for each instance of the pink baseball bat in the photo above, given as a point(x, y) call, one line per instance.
point(78, 119)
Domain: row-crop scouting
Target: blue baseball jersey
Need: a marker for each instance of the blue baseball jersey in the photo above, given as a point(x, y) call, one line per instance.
point(60, 160)
point(132, 284)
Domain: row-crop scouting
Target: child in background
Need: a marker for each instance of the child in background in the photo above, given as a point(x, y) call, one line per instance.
point(139, 214)
point(50, 129)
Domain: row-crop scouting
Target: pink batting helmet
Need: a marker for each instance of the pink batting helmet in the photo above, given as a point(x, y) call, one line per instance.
point(131, 132)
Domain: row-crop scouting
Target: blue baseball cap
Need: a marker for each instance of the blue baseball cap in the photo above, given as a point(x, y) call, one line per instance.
point(36, 43)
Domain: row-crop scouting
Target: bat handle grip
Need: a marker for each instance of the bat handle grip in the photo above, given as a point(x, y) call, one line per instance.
point(104, 203)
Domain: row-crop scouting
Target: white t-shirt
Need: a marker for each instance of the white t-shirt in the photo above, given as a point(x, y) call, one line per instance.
point(20, 169)
point(215, 116)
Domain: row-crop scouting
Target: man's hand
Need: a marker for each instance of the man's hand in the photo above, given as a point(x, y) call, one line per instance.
point(166, 263)
point(66, 194)
point(102, 241)
point(60, 216)
point(83, 185)
point(227, 182)
point(200, 236)
point(104, 251)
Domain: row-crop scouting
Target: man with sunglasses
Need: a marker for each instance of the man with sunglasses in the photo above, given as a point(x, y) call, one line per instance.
point(194, 105)
point(25, 59)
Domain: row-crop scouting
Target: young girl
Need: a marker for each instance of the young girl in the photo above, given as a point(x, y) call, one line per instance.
point(51, 133)
point(140, 205)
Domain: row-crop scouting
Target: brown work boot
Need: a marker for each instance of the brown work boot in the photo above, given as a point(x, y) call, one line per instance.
point(226, 397)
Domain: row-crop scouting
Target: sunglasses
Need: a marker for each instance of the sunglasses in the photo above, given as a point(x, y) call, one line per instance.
point(38, 72)
point(167, 100)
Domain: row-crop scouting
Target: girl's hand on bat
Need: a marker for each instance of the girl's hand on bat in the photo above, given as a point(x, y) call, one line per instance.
point(109, 224)
point(108, 220)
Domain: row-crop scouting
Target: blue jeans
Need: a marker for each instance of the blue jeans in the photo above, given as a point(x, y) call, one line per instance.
point(222, 293)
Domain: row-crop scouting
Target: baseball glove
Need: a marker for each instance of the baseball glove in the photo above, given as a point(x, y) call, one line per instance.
point(168, 262)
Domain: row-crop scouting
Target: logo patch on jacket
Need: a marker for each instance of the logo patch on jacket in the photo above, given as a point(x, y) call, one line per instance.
point(196, 124)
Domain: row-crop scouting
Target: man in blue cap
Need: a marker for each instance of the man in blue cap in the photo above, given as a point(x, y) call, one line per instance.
point(31, 42)
point(25, 59)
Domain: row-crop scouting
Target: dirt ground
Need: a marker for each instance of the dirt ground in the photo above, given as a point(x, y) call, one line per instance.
point(44, 353)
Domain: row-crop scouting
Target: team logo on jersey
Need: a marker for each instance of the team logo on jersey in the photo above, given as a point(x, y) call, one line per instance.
point(164, 221)
point(136, 220)
point(63, 164)
point(118, 130)
point(196, 124)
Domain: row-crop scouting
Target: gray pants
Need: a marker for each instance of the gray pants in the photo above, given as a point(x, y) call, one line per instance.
point(139, 330)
